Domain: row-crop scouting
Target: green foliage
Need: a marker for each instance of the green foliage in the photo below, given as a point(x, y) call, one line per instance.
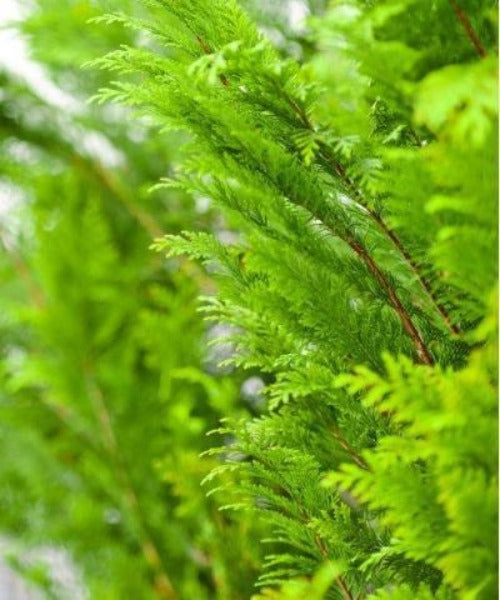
point(302, 589)
point(434, 480)
point(350, 170)
point(104, 397)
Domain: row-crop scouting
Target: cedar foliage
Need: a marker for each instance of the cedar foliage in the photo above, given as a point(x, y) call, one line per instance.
point(361, 186)
point(352, 169)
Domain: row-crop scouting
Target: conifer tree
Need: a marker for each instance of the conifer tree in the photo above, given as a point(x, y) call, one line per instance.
point(359, 183)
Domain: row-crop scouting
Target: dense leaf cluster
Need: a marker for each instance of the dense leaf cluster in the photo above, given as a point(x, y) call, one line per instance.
point(350, 172)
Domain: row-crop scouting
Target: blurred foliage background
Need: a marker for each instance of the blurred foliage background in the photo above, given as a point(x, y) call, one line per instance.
point(107, 388)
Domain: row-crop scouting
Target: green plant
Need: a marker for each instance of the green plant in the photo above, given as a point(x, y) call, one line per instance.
point(360, 187)
point(104, 393)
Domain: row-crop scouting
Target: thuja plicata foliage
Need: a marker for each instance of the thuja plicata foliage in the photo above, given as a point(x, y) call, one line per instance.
point(360, 185)
point(350, 169)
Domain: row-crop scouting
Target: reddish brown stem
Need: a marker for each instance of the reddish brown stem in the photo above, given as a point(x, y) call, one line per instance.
point(469, 30)
point(207, 50)
point(408, 325)
point(349, 449)
point(346, 594)
point(414, 267)
point(339, 169)
point(344, 589)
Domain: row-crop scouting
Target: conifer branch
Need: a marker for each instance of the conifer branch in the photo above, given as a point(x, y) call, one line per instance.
point(163, 585)
point(22, 270)
point(304, 515)
point(393, 237)
point(425, 283)
point(207, 50)
point(68, 419)
point(349, 449)
point(112, 184)
point(339, 580)
point(398, 244)
point(343, 588)
point(408, 325)
point(406, 320)
point(468, 28)
point(248, 141)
